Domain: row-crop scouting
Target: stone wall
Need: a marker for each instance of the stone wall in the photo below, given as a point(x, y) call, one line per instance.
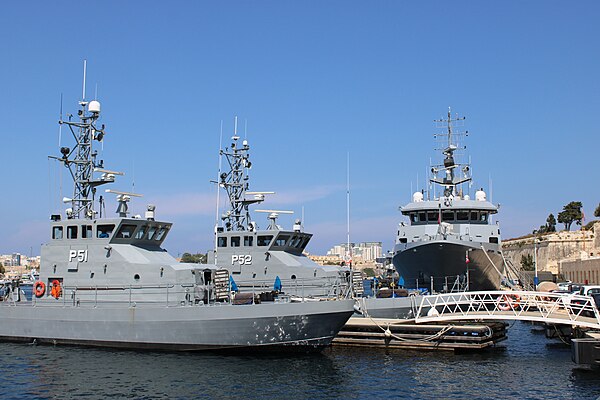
point(581, 271)
point(554, 248)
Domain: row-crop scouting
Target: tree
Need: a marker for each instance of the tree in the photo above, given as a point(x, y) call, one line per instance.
point(597, 212)
point(369, 271)
point(193, 258)
point(527, 262)
point(551, 223)
point(571, 213)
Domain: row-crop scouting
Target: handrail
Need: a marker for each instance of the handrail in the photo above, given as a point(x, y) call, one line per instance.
point(170, 295)
point(556, 308)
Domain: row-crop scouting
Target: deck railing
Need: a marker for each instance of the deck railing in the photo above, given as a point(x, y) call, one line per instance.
point(553, 308)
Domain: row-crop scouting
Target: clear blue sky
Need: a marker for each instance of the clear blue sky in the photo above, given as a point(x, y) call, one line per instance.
point(314, 80)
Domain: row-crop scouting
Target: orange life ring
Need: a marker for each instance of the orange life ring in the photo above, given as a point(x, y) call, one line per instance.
point(56, 290)
point(509, 302)
point(39, 289)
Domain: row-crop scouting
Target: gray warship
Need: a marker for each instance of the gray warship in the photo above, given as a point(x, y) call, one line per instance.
point(449, 242)
point(106, 281)
point(261, 260)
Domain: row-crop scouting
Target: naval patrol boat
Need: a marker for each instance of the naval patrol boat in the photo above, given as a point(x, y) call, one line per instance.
point(263, 261)
point(107, 281)
point(449, 242)
point(271, 259)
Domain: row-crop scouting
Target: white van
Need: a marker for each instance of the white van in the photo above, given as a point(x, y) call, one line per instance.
point(588, 290)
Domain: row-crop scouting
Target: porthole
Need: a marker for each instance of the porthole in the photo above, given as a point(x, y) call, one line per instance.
point(136, 277)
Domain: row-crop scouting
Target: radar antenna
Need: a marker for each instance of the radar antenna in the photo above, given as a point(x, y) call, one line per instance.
point(449, 180)
point(81, 159)
point(235, 183)
point(273, 215)
point(123, 198)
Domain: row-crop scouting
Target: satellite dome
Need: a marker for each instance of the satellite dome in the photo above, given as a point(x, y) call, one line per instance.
point(417, 197)
point(480, 195)
point(94, 106)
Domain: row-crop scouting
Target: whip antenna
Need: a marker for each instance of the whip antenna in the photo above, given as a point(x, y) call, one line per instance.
point(84, 71)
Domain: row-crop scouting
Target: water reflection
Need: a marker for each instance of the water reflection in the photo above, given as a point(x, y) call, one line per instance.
point(528, 368)
point(47, 371)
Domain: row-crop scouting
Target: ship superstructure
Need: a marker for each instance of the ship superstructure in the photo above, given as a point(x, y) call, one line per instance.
point(107, 281)
point(449, 241)
point(272, 257)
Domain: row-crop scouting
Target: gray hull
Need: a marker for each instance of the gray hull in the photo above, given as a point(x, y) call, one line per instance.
point(394, 308)
point(287, 326)
point(446, 258)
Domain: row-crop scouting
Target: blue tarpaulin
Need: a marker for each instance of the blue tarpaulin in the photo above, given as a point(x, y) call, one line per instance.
point(277, 285)
point(232, 284)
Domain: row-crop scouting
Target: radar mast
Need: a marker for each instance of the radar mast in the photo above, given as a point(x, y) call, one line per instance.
point(81, 159)
point(235, 183)
point(450, 180)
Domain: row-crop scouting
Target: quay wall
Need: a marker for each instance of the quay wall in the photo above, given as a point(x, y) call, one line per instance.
point(554, 248)
point(581, 271)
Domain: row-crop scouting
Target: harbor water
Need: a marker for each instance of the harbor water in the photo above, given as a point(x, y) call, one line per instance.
point(529, 367)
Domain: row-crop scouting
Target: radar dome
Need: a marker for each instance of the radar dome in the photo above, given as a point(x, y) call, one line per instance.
point(480, 195)
point(417, 197)
point(94, 106)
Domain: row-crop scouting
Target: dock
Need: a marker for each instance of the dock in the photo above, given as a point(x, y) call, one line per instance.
point(405, 334)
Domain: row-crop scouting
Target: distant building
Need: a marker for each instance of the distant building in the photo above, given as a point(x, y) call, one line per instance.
point(362, 252)
point(326, 260)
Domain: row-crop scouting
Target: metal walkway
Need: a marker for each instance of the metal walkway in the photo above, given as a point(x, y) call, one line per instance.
point(550, 308)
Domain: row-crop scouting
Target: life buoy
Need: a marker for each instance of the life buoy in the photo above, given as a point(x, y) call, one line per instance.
point(39, 288)
point(509, 302)
point(56, 290)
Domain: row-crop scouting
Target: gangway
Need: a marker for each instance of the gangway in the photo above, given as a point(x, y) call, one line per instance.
point(549, 308)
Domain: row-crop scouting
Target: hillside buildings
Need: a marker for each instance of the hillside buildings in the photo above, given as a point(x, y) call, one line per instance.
point(365, 252)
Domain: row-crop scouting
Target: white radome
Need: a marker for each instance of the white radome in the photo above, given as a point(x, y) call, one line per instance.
point(480, 195)
point(417, 197)
point(94, 106)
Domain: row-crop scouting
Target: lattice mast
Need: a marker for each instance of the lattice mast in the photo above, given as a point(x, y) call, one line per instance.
point(81, 160)
point(235, 182)
point(450, 179)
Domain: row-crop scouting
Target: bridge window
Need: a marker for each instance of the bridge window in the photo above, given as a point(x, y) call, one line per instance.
point(303, 242)
point(447, 216)
point(433, 216)
point(296, 241)
point(248, 241)
point(141, 232)
point(151, 232)
point(281, 240)
point(222, 241)
point(126, 231)
point(483, 217)
point(57, 232)
point(161, 233)
point(235, 241)
point(264, 240)
point(104, 231)
point(413, 218)
point(71, 232)
point(86, 231)
point(462, 215)
point(422, 216)
point(474, 216)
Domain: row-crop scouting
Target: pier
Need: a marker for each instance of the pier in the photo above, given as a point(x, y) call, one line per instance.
point(475, 321)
